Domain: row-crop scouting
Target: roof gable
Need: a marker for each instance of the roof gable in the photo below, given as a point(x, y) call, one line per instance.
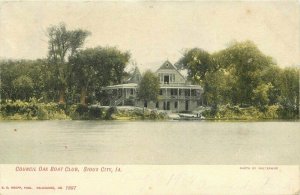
point(167, 65)
point(135, 77)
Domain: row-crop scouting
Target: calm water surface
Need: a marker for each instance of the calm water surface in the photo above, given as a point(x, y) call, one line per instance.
point(146, 142)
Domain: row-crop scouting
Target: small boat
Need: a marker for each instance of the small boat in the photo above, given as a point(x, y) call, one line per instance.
point(183, 116)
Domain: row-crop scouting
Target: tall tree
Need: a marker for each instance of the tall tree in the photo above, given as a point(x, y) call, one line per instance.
point(218, 88)
point(233, 75)
point(94, 68)
point(290, 92)
point(248, 63)
point(261, 94)
point(148, 88)
point(18, 75)
point(63, 44)
point(273, 75)
point(197, 62)
point(23, 87)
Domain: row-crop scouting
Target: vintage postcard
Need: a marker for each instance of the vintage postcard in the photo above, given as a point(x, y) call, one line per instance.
point(149, 97)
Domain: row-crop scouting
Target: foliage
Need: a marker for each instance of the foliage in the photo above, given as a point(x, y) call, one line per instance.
point(261, 94)
point(62, 45)
point(56, 77)
point(23, 86)
point(24, 79)
point(154, 115)
point(229, 112)
point(83, 112)
point(136, 113)
point(96, 67)
point(197, 62)
point(148, 88)
point(248, 62)
point(218, 87)
point(32, 110)
point(241, 75)
point(110, 114)
point(35, 110)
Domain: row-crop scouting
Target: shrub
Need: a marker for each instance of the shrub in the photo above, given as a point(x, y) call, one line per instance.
point(247, 113)
point(110, 113)
point(32, 110)
point(83, 112)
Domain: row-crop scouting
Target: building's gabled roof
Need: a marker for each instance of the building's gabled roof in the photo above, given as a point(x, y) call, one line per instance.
point(168, 65)
point(135, 77)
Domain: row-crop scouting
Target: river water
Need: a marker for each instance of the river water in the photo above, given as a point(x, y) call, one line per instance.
point(149, 142)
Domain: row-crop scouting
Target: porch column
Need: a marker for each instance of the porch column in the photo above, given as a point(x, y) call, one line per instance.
point(123, 95)
point(177, 99)
point(166, 107)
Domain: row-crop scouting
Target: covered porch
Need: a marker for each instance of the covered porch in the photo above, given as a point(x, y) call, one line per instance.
point(119, 93)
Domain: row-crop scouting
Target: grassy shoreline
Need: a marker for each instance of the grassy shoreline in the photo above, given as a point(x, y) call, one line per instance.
point(34, 110)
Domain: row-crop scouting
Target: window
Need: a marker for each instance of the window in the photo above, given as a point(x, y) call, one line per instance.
point(161, 77)
point(172, 78)
point(176, 104)
point(166, 79)
point(173, 91)
point(193, 92)
point(160, 92)
point(187, 92)
point(157, 104)
point(131, 91)
point(199, 103)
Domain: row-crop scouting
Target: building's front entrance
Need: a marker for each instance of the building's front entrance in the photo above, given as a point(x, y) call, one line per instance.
point(166, 105)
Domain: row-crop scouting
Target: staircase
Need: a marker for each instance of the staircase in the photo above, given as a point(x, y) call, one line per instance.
point(117, 102)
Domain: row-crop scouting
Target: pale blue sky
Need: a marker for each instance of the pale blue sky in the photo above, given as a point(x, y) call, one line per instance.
point(155, 31)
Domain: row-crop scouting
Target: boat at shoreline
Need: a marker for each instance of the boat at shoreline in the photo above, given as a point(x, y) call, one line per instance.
point(184, 116)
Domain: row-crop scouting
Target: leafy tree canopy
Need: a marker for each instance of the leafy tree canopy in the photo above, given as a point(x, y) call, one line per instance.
point(197, 62)
point(148, 88)
point(94, 68)
point(62, 45)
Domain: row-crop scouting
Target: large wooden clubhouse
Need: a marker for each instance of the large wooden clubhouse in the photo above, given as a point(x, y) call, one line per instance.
point(176, 93)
